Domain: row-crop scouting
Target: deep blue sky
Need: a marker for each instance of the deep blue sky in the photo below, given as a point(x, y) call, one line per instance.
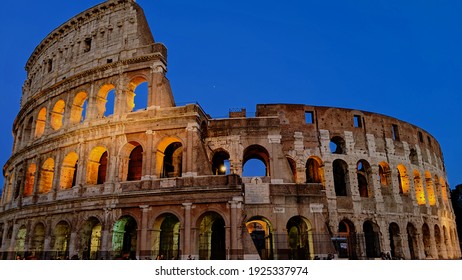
point(396, 57)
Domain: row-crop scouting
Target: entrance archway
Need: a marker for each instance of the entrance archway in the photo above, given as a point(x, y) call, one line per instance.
point(371, 238)
point(91, 239)
point(124, 238)
point(166, 237)
point(300, 240)
point(212, 237)
point(261, 233)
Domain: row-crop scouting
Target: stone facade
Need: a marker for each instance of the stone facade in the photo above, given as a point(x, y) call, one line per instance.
point(92, 176)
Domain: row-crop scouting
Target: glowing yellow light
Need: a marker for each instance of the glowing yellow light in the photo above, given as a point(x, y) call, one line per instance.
point(223, 169)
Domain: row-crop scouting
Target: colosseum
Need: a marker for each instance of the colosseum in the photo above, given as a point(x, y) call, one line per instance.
point(94, 176)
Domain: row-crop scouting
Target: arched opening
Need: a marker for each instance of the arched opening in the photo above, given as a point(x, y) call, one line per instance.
point(62, 235)
point(371, 237)
point(299, 238)
point(426, 236)
point(438, 242)
point(396, 249)
point(97, 166)
point(212, 237)
point(124, 238)
point(340, 170)
point(419, 190)
point(293, 168)
point(363, 174)
point(40, 123)
point(430, 190)
point(403, 180)
point(91, 239)
point(37, 242)
point(220, 163)
point(19, 248)
point(444, 190)
point(135, 163)
point(172, 161)
point(105, 100)
point(261, 233)
point(46, 176)
point(57, 115)
point(68, 171)
point(412, 241)
point(337, 145)
point(30, 180)
point(384, 174)
point(137, 95)
point(78, 109)
point(346, 242)
point(166, 237)
point(314, 170)
point(255, 162)
point(28, 130)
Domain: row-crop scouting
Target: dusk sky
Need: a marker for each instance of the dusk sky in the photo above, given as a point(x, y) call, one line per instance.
point(394, 57)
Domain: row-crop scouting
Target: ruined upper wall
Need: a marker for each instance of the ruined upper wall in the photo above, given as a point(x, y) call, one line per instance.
point(359, 123)
point(113, 31)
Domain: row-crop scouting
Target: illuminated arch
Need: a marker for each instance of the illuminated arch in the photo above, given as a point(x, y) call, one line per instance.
point(40, 123)
point(57, 115)
point(314, 170)
point(261, 232)
point(46, 176)
point(137, 94)
point(403, 180)
point(97, 166)
point(78, 108)
point(169, 158)
point(430, 189)
point(30, 180)
point(419, 190)
point(444, 190)
point(104, 107)
point(68, 171)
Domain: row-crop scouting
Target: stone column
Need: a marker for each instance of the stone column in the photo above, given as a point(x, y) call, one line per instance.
point(236, 206)
point(72, 243)
point(189, 162)
point(149, 156)
point(187, 230)
point(12, 245)
point(144, 248)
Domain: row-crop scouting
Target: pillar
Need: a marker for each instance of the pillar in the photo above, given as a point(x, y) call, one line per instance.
point(187, 231)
